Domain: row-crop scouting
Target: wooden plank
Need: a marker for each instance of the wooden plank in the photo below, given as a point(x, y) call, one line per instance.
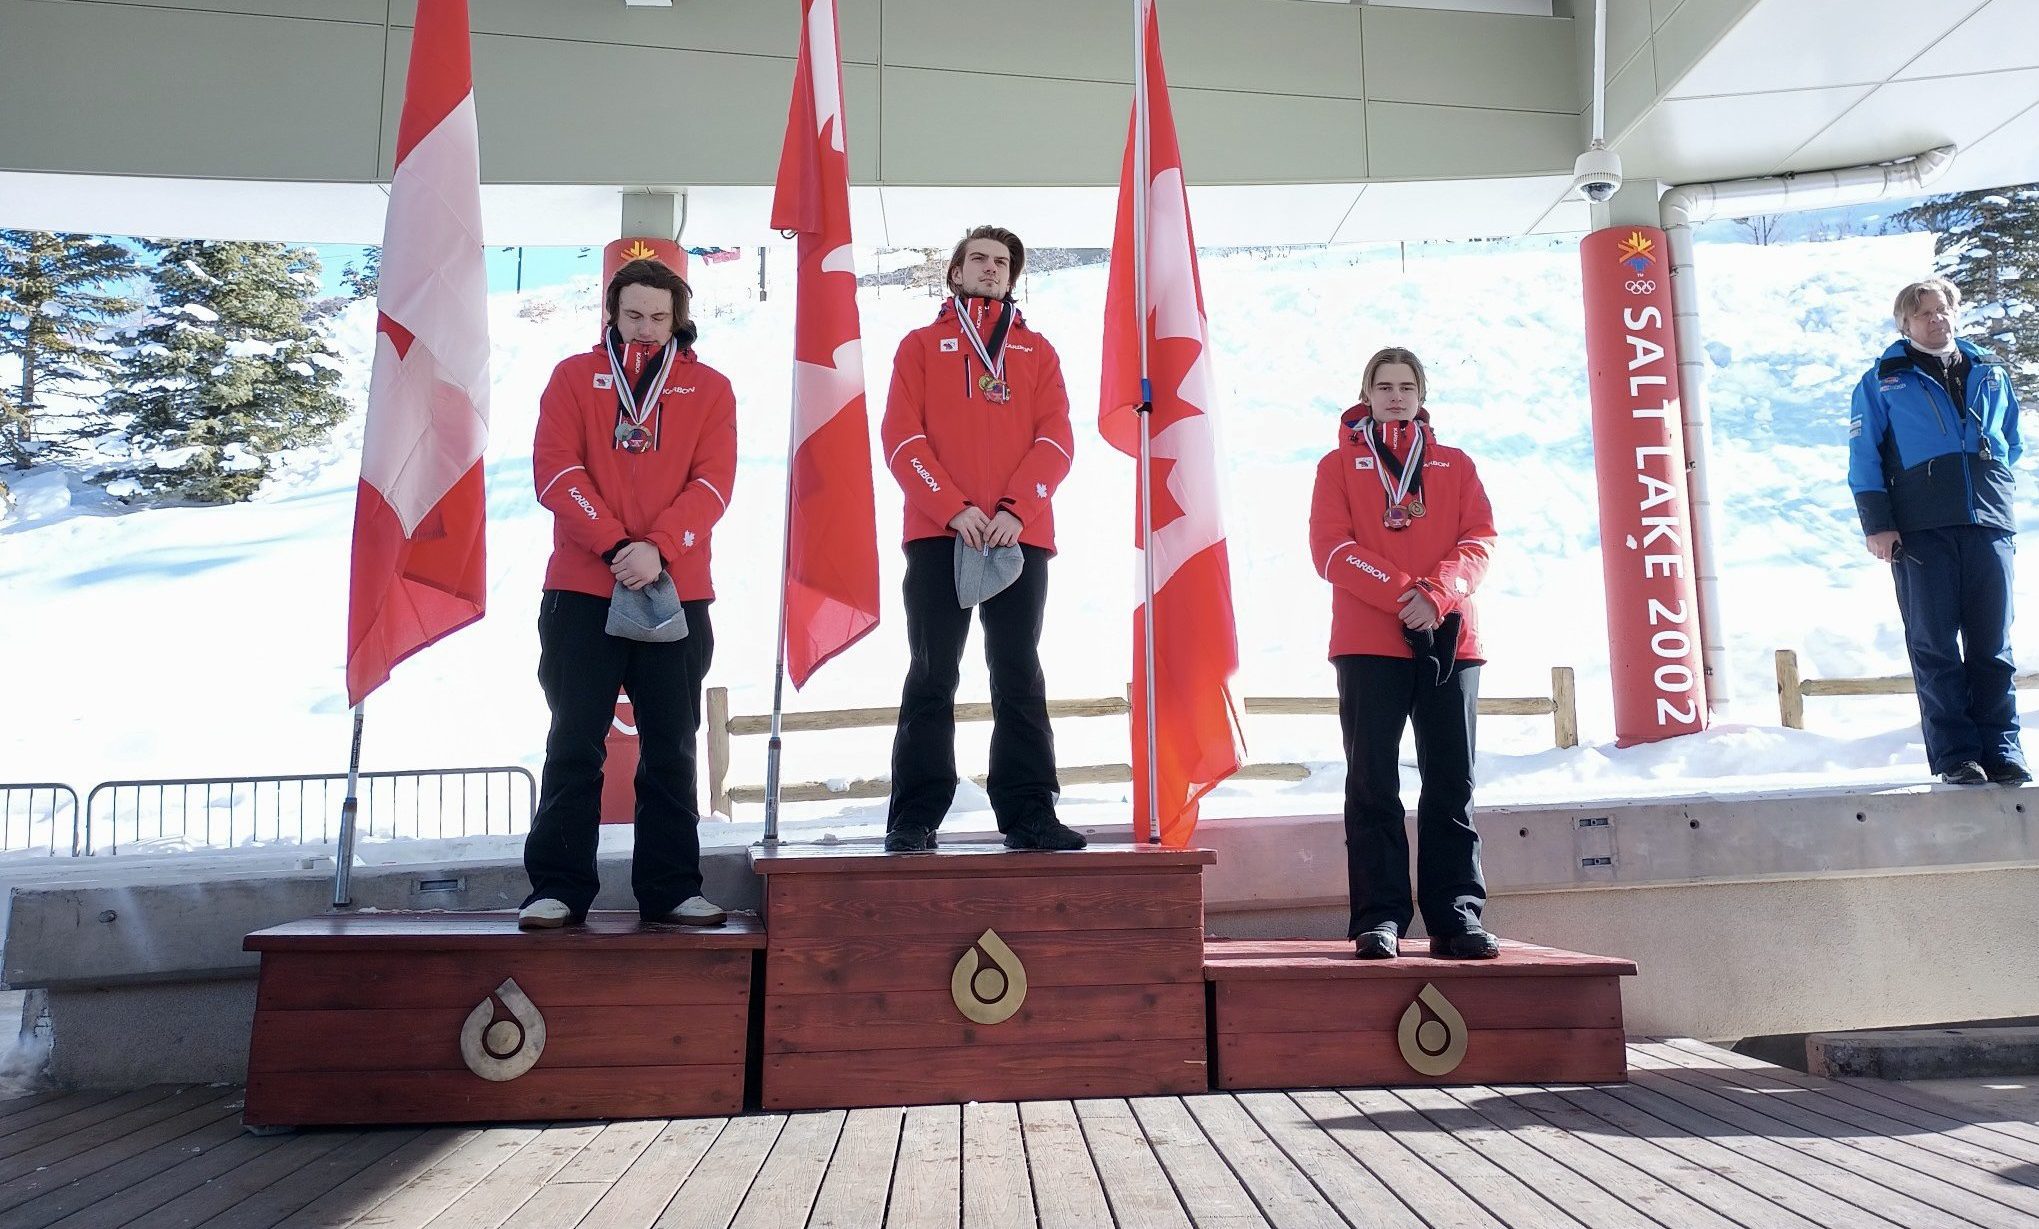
point(103, 1177)
point(1861, 1179)
point(1362, 1199)
point(35, 1111)
point(1503, 1056)
point(1564, 700)
point(607, 930)
point(1210, 1194)
point(448, 1178)
point(1990, 1148)
point(1053, 1071)
point(710, 1196)
point(350, 1200)
point(1711, 1175)
point(350, 1098)
point(1285, 1195)
point(209, 1179)
point(612, 1153)
point(878, 904)
point(388, 980)
point(1390, 1160)
point(506, 1190)
point(87, 1113)
point(1971, 1189)
point(1822, 1193)
point(1127, 1168)
point(1323, 959)
point(47, 1165)
point(786, 1188)
point(640, 1195)
point(313, 1177)
point(1068, 1194)
point(1790, 692)
point(1905, 1094)
point(927, 1178)
point(1579, 1198)
point(1335, 1008)
point(557, 1205)
point(855, 964)
point(859, 1178)
point(884, 1020)
point(997, 1193)
point(864, 718)
point(1513, 1202)
point(428, 1039)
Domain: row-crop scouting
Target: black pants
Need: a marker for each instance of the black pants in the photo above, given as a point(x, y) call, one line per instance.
point(1022, 786)
point(1954, 588)
point(1376, 697)
point(581, 667)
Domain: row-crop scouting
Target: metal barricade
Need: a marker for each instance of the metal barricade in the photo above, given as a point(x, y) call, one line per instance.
point(224, 812)
point(38, 817)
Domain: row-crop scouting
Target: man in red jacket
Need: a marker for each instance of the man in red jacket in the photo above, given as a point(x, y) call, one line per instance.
point(635, 459)
point(976, 432)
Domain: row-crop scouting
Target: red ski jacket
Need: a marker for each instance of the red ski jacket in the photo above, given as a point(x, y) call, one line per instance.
point(949, 445)
point(601, 496)
point(1444, 552)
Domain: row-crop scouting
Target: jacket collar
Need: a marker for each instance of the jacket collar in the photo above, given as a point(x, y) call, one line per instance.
point(1899, 356)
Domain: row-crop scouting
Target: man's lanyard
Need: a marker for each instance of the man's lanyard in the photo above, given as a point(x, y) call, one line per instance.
point(1397, 478)
point(635, 400)
point(992, 383)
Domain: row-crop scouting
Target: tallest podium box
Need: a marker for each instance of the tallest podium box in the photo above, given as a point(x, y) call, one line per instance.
point(981, 976)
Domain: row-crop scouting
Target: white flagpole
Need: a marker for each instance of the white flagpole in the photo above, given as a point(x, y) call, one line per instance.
point(1142, 175)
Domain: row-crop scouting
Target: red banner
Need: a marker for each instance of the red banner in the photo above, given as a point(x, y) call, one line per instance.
point(622, 251)
point(1639, 458)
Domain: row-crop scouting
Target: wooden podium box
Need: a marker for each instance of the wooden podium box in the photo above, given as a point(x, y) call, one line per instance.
point(915, 979)
point(395, 1017)
point(1293, 1013)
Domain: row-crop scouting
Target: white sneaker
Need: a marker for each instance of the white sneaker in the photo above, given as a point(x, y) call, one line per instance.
point(546, 914)
point(696, 911)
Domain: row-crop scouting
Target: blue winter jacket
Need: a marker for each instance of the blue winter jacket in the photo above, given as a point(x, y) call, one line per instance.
point(1918, 461)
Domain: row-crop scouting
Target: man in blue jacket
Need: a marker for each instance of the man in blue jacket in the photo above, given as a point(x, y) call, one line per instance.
point(1932, 437)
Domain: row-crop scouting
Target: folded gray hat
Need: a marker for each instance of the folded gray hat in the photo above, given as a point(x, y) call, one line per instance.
point(984, 574)
point(651, 614)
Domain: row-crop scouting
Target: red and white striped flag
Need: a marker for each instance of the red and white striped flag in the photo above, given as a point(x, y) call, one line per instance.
point(419, 514)
point(832, 525)
point(1196, 644)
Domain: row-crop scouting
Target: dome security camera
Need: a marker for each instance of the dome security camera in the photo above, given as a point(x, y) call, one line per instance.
point(1597, 174)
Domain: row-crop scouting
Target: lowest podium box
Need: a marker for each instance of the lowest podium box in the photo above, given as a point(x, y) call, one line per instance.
point(395, 1017)
point(981, 975)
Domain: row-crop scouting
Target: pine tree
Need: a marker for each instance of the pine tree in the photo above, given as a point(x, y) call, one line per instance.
point(364, 280)
point(59, 293)
point(1987, 243)
point(227, 370)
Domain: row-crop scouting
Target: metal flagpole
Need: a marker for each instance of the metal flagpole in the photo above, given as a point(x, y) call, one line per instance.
point(343, 868)
point(1141, 173)
point(773, 745)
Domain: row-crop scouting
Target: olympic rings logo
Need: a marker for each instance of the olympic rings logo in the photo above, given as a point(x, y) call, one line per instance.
point(1642, 285)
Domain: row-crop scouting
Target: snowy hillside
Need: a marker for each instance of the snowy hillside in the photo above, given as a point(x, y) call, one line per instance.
point(208, 641)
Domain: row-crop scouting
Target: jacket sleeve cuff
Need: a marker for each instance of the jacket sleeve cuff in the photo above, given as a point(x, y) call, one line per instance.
point(1874, 509)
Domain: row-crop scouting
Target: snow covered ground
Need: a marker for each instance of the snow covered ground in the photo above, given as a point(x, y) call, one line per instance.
point(208, 641)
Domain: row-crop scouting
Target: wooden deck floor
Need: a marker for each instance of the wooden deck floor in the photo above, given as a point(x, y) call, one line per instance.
point(1700, 1139)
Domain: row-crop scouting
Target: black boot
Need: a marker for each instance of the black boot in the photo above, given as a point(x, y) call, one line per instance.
point(1967, 772)
point(1050, 834)
point(910, 840)
point(1474, 944)
point(1380, 943)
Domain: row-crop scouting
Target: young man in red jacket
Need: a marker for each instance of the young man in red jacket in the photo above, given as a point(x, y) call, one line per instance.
point(1401, 527)
point(635, 459)
point(976, 432)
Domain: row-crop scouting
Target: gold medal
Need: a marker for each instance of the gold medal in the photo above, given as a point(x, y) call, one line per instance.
point(1416, 507)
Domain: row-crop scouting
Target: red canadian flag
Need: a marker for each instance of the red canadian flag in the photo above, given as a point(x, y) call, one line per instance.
point(1196, 645)
point(418, 569)
point(831, 595)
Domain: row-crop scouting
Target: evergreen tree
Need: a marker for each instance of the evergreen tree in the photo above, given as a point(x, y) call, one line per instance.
point(58, 295)
point(1987, 243)
point(227, 370)
point(364, 280)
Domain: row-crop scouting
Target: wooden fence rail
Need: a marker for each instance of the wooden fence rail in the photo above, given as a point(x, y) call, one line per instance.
point(1792, 688)
point(1561, 706)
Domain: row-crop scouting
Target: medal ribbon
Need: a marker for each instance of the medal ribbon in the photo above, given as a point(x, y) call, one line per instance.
point(993, 356)
point(635, 400)
point(1408, 474)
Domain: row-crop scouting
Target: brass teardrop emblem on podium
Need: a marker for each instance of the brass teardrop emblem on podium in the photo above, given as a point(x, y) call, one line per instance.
point(502, 1050)
point(1435, 1046)
point(990, 987)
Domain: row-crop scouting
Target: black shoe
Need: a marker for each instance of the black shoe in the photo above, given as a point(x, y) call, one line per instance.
point(2009, 774)
point(1470, 945)
point(1380, 943)
point(1967, 772)
point(1053, 834)
point(910, 840)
